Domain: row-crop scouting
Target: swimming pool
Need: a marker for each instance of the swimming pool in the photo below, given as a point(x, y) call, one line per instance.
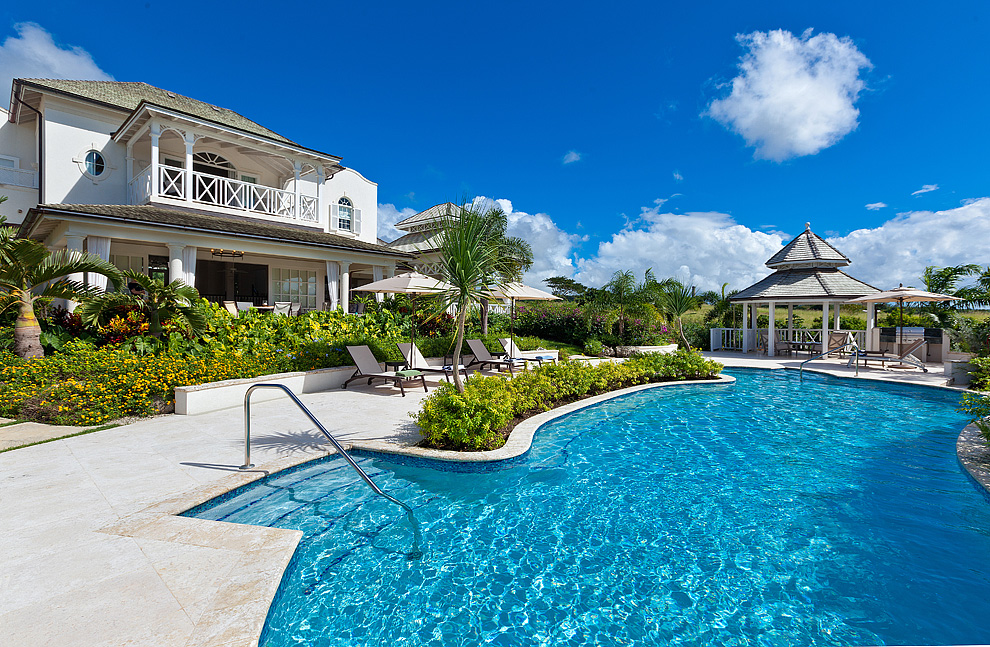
point(769, 512)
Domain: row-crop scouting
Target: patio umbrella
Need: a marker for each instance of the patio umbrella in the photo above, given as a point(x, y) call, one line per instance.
point(899, 295)
point(514, 291)
point(411, 283)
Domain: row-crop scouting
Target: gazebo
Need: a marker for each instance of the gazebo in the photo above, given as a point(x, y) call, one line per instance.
point(806, 272)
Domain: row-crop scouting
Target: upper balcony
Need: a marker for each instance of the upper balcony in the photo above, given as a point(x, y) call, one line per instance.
point(177, 159)
point(25, 178)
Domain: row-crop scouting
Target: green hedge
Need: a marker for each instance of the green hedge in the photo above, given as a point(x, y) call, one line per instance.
point(979, 379)
point(477, 419)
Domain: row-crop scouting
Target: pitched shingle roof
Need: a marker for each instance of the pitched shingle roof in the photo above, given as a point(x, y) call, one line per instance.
point(806, 284)
point(433, 214)
point(418, 241)
point(200, 221)
point(128, 95)
point(808, 247)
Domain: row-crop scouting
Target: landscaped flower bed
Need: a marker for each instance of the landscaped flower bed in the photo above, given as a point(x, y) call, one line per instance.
point(480, 418)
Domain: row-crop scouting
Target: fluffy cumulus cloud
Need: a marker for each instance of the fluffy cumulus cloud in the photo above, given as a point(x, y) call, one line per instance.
point(928, 188)
point(571, 157)
point(794, 95)
point(388, 215)
point(33, 53)
point(899, 250)
point(704, 249)
point(553, 247)
point(876, 206)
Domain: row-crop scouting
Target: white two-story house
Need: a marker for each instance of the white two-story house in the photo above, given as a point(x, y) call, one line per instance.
point(177, 188)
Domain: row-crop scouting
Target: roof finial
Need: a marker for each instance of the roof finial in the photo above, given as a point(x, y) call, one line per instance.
point(807, 226)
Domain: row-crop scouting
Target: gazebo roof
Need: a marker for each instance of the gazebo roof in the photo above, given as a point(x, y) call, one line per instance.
point(807, 250)
point(810, 284)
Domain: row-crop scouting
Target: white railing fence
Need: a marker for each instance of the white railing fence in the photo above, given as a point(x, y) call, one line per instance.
point(732, 338)
point(223, 192)
point(19, 177)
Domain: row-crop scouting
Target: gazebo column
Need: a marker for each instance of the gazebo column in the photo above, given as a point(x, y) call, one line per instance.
point(838, 320)
point(745, 328)
point(771, 331)
point(824, 326)
point(871, 324)
point(790, 322)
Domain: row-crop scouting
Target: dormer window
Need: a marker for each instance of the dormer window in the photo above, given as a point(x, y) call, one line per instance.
point(345, 213)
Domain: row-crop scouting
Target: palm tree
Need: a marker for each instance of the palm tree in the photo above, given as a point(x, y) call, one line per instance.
point(516, 255)
point(29, 272)
point(631, 298)
point(945, 280)
point(473, 262)
point(723, 310)
point(173, 302)
point(676, 302)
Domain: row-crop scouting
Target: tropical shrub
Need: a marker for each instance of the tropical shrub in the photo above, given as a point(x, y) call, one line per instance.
point(478, 419)
point(979, 378)
point(594, 348)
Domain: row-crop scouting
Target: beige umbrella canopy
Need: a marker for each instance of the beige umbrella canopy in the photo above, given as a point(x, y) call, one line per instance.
point(901, 295)
point(411, 283)
point(514, 291)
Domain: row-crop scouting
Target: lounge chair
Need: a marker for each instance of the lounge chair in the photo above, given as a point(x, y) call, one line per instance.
point(231, 307)
point(836, 341)
point(906, 357)
point(414, 359)
point(282, 307)
point(513, 353)
point(484, 358)
point(368, 368)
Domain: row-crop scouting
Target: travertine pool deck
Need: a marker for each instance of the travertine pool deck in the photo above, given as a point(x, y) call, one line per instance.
point(92, 554)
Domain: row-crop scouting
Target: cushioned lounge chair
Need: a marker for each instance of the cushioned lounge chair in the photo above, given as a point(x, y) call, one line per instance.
point(906, 357)
point(484, 358)
point(368, 368)
point(415, 360)
point(513, 353)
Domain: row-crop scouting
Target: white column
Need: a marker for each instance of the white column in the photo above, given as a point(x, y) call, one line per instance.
point(175, 261)
point(838, 321)
point(320, 181)
point(824, 326)
point(871, 324)
point(790, 322)
point(345, 286)
point(378, 273)
point(155, 133)
point(745, 328)
point(130, 172)
point(187, 183)
point(296, 169)
point(74, 243)
point(772, 331)
point(389, 271)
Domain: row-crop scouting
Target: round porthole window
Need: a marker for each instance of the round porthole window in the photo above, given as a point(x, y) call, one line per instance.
point(95, 164)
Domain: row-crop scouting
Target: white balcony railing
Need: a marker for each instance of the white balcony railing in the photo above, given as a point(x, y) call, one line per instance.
point(732, 338)
point(224, 192)
point(19, 177)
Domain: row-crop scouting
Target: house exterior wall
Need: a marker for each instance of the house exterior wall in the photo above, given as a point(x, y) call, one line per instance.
point(362, 192)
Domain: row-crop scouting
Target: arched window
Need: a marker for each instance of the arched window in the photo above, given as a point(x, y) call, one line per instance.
point(212, 164)
point(345, 213)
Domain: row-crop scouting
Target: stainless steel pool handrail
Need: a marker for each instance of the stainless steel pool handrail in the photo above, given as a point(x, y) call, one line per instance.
point(333, 441)
point(829, 352)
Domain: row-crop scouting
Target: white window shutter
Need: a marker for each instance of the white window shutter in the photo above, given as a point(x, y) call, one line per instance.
point(333, 217)
point(356, 224)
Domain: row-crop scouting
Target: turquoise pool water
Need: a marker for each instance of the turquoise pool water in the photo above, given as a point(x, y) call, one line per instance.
point(761, 513)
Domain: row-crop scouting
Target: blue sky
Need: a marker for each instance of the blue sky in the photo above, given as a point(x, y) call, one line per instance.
point(627, 135)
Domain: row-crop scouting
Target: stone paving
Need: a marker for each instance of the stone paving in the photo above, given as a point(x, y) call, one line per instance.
point(92, 553)
point(25, 433)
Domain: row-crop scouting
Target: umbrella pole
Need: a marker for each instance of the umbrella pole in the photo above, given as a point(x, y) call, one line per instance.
point(412, 334)
point(900, 347)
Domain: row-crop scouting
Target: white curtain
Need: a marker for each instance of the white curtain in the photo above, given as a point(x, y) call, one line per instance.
point(98, 246)
point(333, 284)
point(189, 265)
point(379, 274)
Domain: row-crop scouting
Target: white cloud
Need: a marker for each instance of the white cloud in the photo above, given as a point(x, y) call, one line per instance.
point(552, 246)
point(388, 215)
point(678, 177)
point(571, 157)
point(928, 188)
point(794, 95)
point(705, 249)
point(33, 53)
point(899, 250)
point(876, 206)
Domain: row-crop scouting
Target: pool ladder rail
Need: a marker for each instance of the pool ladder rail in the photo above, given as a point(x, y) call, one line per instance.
point(855, 355)
point(415, 552)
